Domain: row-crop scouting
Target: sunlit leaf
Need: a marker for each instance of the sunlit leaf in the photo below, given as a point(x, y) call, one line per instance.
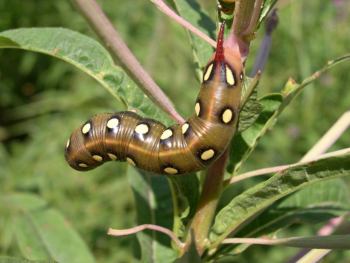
point(42, 233)
point(154, 206)
point(185, 192)
point(192, 12)
point(254, 200)
point(87, 55)
point(312, 205)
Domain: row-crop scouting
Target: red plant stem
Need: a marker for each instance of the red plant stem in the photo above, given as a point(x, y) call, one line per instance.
point(136, 229)
point(178, 19)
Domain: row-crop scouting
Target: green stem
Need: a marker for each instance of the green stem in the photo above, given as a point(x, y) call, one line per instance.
point(242, 16)
point(203, 218)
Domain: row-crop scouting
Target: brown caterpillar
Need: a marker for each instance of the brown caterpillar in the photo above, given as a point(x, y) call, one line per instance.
point(149, 145)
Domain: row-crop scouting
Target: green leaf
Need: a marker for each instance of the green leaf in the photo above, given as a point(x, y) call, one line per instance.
point(51, 234)
point(313, 205)
point(273, 105)
point(22, 202)
point(185, 192)
point(267, 6)
point(42, 233)
point(252, 107)
point(253, 201)
point(88, 56)
point(245, 142)
point(153, 202)
point(192, 12)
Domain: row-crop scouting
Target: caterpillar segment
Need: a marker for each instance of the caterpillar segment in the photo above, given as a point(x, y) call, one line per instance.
point(182, 148)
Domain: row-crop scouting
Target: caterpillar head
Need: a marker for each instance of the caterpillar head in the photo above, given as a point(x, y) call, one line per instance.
point(225, 64)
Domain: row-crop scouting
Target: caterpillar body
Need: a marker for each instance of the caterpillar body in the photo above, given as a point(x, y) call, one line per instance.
point(181, 148)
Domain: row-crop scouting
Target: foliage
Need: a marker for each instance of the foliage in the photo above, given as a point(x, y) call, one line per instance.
point(49, 212)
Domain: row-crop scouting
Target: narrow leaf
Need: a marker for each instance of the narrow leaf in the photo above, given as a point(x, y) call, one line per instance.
point(153, 202)
point(192, 12)
point(42, 233)
point(273, 105)
point(185, 194)
point(87, 55)
point(245, 142)
point(267, 6)
point(252, 107)
point(315, 204)
point(256, 199)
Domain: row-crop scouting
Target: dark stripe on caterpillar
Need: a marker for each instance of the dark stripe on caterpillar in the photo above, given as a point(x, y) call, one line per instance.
point(149, 145)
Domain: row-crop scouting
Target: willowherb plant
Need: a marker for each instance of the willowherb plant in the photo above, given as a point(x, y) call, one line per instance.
point(182, 216)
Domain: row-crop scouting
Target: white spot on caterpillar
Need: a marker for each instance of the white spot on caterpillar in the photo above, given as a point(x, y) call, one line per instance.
point(230, 79)
point(241, 76)
point(130, 161)
point(97, 158)
point(227, 116)
point(208, 154)
point(185, 127)
point(170, 170)
point(142, 128)
point(197, 108)
point(208, 72)
point(68, 143)
point(86, 128)
point(82, 165)
point(166, 134)
point(112, 123)
point(112, 156)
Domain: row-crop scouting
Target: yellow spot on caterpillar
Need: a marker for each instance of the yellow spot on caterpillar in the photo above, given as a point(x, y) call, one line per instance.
point(86, 128)
point(185, 127)
point(112, 123)
point(208, 72)
point(68, 143)
point(142, 128)
point(170, 170)
point(82, 165)
point(197, 108)
point(130, 161)
point(166, 134)
point(97, 158)
point(230, 79)
point(112, 156)
point(227, 116)
point(208, 154)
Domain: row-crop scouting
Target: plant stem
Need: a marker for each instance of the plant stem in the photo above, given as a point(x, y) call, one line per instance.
point(136, 229)
point(211, 192)
point(246, 17)
point(183, 22)
point(119, 50)
point(242, 16)
point(281, 168)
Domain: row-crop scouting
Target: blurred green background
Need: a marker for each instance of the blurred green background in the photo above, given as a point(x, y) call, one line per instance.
point(43, 99)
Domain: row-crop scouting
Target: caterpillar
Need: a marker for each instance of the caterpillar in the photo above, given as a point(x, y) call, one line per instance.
point(182, 148)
